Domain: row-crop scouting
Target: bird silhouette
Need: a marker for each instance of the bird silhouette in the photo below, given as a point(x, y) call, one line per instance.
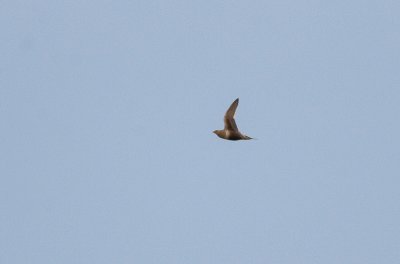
point(231, 131)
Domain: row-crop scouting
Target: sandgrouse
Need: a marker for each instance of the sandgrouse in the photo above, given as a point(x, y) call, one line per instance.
point(230, 131)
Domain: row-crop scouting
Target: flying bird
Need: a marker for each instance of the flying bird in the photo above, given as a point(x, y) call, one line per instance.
point(230, 131)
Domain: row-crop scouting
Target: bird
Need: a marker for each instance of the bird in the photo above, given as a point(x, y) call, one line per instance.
point(231, 131)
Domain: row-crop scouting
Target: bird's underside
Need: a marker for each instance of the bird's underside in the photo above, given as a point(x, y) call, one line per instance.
point(231, 131)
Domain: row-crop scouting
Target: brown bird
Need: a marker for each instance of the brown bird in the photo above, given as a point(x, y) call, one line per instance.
point(230, 131)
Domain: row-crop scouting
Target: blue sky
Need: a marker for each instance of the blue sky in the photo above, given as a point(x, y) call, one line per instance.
point(107, 152)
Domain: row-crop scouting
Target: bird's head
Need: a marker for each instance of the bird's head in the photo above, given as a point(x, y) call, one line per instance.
point(219, 133)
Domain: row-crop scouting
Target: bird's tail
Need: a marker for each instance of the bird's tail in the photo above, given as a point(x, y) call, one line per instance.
point(247, 137)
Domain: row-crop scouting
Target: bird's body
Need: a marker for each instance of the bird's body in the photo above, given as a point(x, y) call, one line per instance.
point(231, 131)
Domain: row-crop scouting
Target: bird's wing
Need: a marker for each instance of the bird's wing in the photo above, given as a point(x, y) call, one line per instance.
point(229, 121)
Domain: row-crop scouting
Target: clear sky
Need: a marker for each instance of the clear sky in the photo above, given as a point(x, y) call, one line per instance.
point(107, 153)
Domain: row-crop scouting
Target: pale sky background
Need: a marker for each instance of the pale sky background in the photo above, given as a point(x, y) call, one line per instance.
point(107, 153)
